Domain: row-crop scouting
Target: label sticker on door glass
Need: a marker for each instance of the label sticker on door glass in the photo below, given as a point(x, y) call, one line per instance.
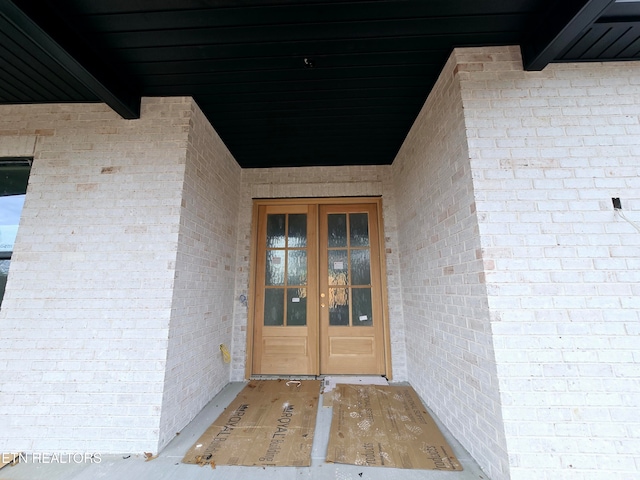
point(275, 260)
point(363, 318)
point(338, 265)
point(295, 300)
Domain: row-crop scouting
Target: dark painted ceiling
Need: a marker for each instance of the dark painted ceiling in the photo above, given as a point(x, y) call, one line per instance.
point(288, 82)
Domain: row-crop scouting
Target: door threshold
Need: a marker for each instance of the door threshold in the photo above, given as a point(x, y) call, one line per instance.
point(316, 377)
point(329, 382)
point(286, 377)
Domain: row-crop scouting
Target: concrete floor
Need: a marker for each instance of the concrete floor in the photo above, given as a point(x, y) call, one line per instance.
point(168, 466)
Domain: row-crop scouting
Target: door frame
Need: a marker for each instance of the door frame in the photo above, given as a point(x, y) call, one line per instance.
point(253, 260)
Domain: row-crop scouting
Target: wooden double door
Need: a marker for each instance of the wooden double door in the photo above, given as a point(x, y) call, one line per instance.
point(319, 303)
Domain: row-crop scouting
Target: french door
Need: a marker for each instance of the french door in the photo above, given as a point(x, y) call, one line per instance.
point(319, 304)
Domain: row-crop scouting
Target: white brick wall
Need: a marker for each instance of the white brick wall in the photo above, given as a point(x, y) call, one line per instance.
point(203, 298)
point(518, 285)
point(548, 152)
point(450, 352)
point(122, 283)
point(85, 318)
point(318, 182)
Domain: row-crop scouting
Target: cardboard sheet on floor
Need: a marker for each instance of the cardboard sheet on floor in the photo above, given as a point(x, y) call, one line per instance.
point(386, 426)
point(269, 423)
point(9, 459)
point(329, 384)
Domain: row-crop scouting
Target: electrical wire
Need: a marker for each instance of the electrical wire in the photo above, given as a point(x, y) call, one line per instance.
point(634, 224)
point(226, 356)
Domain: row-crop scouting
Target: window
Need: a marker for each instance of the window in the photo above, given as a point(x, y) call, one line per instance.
point(14, 174)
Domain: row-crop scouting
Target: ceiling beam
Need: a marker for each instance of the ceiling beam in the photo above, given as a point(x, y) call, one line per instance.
point(558, 28)
point(102, 82)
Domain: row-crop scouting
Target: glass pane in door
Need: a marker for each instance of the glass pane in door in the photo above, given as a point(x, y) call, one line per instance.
point(337, 231)
point(275, 230)
point(361, 267)
point(339, 306)
point(296, 307)
point(275, 267)
point(349, 265)
point(286, 267)
point(274, 307)
point(297, 234)
point(362, 308)
point(359, 229)
point(338, 267)
point(297, 267)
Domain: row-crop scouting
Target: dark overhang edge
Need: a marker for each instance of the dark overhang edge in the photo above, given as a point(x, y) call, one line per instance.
point(126, 105)
point(558, 28)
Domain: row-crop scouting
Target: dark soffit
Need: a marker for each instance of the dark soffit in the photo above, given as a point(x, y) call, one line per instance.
point(289, 82)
